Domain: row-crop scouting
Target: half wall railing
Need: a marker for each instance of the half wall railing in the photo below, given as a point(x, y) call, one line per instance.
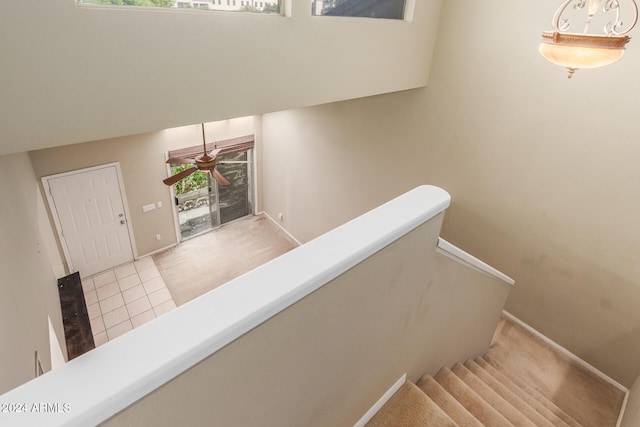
point(313, 337)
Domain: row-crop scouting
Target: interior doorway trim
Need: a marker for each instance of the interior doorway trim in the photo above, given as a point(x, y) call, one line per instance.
point(56, 219)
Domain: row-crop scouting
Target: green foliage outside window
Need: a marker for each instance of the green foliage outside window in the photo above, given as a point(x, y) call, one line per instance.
point(193, 182)
point(271, 8)
point(268, 8)
point(156, 3)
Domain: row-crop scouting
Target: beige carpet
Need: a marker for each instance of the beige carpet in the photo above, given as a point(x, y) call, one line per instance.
point(532, 363)
point(409, 407)
point(203, 263)
point(522, 381)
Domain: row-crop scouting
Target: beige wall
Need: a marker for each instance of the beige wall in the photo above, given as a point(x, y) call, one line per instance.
point(325, 165)
point(74, 74)
point(142, 162)
point(27, 283)
point(542, 171)
point(328, 358)
point(543, 175)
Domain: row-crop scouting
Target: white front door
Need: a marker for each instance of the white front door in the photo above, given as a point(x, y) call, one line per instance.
point(91, 218)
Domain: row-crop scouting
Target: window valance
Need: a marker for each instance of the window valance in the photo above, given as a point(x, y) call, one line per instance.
point(226, 146)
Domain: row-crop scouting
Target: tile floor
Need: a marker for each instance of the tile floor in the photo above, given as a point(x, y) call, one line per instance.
point(124, 298)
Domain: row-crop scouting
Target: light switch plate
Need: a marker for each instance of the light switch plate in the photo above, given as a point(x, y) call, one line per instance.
point(147, 208)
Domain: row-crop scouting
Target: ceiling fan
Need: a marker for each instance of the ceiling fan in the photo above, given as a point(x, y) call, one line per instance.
point(205, 162)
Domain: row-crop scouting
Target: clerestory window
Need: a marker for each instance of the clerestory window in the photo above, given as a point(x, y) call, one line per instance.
point(269, 6)
point(383, 9)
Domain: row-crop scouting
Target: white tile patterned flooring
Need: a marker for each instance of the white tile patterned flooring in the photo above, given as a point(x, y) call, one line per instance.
point(124, 298)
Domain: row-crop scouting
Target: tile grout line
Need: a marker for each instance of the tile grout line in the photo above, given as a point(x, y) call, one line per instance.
point(104, 335)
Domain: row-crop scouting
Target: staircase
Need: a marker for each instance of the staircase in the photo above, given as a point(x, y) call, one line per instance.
point(522, 380)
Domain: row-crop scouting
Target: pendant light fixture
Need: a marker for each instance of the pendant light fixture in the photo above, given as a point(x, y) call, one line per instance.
point(588, 49)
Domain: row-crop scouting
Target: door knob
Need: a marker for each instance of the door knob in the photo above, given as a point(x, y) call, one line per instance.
point(120, 215)
point(122, 221)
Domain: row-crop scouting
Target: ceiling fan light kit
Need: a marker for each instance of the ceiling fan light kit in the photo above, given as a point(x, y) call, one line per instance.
point(588, 50)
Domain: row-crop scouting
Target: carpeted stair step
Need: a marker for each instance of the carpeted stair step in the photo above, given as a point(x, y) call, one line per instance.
point(410, 407)
point(447, 403)
point(524, 380)
point(506, 377)
point(526, 404)
point(588, 398)
point(480, 409)
point(513, 415)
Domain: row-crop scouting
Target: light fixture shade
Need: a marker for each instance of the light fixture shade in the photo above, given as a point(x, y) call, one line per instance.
point(581, 51)
point(588, 50)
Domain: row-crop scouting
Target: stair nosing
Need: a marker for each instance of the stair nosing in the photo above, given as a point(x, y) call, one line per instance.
point(532, 391)
point(448, 403)
point(489, 395)
point(478, 407)
point(516, 396)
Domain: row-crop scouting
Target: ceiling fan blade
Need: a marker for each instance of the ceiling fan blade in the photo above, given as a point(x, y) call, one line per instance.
point(218, 176)
point(179, 161)
point(214, 153)
point(177, 177)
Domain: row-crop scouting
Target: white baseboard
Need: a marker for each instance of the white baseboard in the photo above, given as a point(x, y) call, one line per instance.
point(457, 254)
point(576, 359)
point(277, 224)
point(156, 251)
point(380, 403)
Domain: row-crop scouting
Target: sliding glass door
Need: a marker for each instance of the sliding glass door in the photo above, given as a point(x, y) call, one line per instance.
point(235, 199)
point(196, 201)
point(202, 204)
